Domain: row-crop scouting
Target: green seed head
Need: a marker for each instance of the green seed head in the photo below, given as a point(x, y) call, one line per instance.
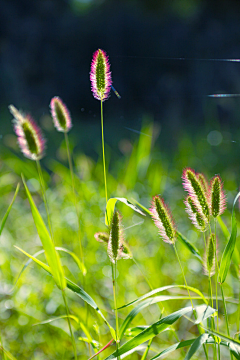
point(209, 260)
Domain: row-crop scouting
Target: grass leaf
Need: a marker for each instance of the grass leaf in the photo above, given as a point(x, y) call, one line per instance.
point(76, 289)
point(50, 252)
point(172, 348)
point(150, 332)
point(9, 209)
point(196, 345)
point(163, 288)
point(111, 206)
point(229, 249)
point(189, 246)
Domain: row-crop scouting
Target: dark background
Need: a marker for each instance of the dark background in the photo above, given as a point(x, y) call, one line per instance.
point(46, 48)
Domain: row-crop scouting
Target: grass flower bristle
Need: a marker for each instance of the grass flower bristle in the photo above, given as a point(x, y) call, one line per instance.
point(196, 191)
point(209, 258)
point(30, 138)
point(60, 114)
point(195, 216)
point(163, 220)
point(217, 197)
point(115, 238)
point(100, 75)
point(203, 182)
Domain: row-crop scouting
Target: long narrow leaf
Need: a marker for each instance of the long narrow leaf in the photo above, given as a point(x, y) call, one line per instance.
point(228, 251)
point(150, 332)
point(172, 348)
point(158, 290)
point(189, 246)
point(145, 304)
point(75, 288)
point(9, 209)
point(50, 252)
point(196, 345)
point(111, 206)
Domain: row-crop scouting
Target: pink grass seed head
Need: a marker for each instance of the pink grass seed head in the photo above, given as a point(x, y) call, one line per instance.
point(100, 75)
point(60, 114)
point(163, 220)
point(30, 137)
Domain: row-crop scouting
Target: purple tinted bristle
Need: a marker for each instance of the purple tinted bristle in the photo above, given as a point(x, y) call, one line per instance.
point(100, 92)
point(26, 129)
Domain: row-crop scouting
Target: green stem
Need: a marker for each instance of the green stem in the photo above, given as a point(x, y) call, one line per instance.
point(216, 281)
point(1, 347)
point(194, 312)
point(69, 325)
point(74, 197)
point(103, 151)
point(238, 312)
point(40, 174)
point(114, 274)
point(226, 315)
point(147, 350)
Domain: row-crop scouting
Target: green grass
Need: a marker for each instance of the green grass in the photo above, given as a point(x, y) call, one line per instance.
point(148, 169)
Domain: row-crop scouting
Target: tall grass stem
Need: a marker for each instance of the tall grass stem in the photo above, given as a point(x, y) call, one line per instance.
point(103, 151)
point(114, 275)
point(226, 314)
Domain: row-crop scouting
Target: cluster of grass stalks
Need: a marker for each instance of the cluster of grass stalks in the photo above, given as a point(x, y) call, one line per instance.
point(143, 290)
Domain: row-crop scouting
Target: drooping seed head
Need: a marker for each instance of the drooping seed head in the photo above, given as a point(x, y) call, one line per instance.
point(217, 197)
point(209, 258)
point(115, 238)
point(30, 138)
point(102, 237)
point(163, 220)
point(194, 215)
point(196, 191)
point(60, 114)
point(100, 75)
point(125, 252)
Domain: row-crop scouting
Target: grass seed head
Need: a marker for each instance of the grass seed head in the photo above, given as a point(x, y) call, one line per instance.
point(196, 191)
point(30, 138)
point(194, 215)
point(209, 259)
point(60, 114)
point(217, 197)
point(100, 75)
point(102, 237)
point(163, 220)
point(116, 238)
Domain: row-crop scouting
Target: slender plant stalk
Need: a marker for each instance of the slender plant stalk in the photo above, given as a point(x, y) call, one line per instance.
point(103, 151)
point(194, 312)
point(114, 274)
point(40, 174)
point(147, 350)
point(238, 312)
point(2, 348)
point(216, 283)
point(74, 196)
point(69, 325)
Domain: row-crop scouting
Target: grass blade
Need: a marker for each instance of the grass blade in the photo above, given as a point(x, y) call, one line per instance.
point(75, 288)
point(150, 332)
point(196, 345)
point(189, 246)
point(172, 348)
point(229, 249)
point(163, 288)
point(145, 304)
point(111, 206)
point(50, 252)
point(9, 209)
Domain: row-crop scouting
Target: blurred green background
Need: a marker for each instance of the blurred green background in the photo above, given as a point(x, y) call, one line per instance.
point(163, 123)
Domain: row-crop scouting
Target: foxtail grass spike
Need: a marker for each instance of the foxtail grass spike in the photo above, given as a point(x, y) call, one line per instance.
point(196, 217)
point(100, 75)
point(217, 197)
point(30, 138)
point(163, 220)
point(60, 114)
point(209, 258)
point(115, 238)
point(196, 191)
